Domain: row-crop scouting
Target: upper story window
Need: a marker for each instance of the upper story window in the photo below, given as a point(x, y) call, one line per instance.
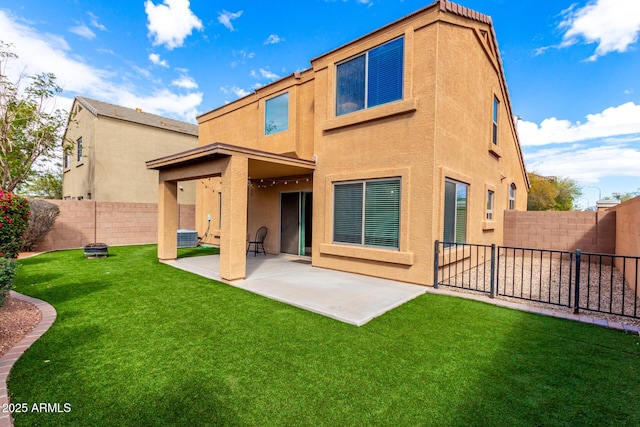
point(372, 78)
point(512, 197)
point(494, 128)
point(79, 149)
point(276, 117)
point(66, 158)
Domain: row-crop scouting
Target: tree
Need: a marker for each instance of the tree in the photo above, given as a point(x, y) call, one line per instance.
point(29, 128)
point(551, 193)
point(45, 184)
point(623, 197)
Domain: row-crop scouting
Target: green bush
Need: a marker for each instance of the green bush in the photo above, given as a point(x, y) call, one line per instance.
point(14, 219)
point(7, 274)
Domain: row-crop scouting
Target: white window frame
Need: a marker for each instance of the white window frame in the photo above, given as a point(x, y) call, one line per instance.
point(512, 196)
point(494, 125)
point(490, 204)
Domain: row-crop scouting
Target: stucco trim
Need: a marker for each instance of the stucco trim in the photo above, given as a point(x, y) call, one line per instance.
point(370, 114)
point(367, 253)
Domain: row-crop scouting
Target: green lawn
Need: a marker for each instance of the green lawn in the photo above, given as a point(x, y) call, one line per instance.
point(138, 343)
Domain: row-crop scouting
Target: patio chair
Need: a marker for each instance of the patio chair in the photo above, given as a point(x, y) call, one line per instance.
point(258, 243)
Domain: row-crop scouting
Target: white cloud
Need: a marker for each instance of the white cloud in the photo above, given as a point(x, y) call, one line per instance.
point(93, 19)
point(225, 18)
point(273, 39)
point(586, 164)
point(163, 102)
point(243, 56)
point(234, 90)
point(155, 58)
point(83, 31)
point(142, 71)
point(614, 121)
point(265, 73)
point(185, 82)
point(171, 22)
point(40, 52)
point(613, 24)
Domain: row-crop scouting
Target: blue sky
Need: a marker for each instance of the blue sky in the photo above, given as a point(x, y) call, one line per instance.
point(572, 67)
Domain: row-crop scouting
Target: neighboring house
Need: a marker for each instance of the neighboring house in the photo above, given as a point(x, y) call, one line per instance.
point(106, 147)
point(394, 140)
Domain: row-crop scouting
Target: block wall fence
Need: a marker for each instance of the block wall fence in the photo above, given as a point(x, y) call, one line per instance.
point(563, 231)
point(628, 237)
point(83, 222)
point(615, 231)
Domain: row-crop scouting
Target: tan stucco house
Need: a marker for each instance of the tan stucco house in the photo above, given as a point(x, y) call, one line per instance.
point(106, 147)
point(362, 161)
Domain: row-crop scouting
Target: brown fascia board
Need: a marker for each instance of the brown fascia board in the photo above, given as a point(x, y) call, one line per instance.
point(220, 149)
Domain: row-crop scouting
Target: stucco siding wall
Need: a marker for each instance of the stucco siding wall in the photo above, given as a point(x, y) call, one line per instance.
point(120, 173)
point(243, 122)
point(78, 176)
point(113, 223)
point(391, 140)
point(113, 167)
point(467, 85)
point(440, 128)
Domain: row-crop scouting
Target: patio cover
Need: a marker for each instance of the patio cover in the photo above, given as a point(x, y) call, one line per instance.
point(236, 165)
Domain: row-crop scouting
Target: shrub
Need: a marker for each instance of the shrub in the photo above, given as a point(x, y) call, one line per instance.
point(43, 216)
point(14, 218)
point(7, 273)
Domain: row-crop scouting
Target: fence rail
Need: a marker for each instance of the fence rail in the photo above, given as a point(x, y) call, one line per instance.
point(583, 281)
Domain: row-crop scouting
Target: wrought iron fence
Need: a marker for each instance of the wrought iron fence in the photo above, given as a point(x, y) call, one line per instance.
point(583, 281)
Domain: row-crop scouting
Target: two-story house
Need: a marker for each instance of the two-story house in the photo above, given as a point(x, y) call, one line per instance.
point(396, 139)
point(105, 149)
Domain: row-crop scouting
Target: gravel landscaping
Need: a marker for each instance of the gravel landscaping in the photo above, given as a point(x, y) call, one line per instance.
point(548, 282)
point(17, 319)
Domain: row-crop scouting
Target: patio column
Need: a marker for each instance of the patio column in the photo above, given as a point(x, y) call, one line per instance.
point(168, 220)
point(233, 235)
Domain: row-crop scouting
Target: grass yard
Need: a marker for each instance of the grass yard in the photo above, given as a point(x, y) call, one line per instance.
point(138, 343)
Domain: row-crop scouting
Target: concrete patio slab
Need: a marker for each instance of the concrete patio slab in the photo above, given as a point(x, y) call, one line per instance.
point(350, 298)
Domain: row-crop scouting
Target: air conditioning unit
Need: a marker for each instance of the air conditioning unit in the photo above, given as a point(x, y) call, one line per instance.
point(187, 238)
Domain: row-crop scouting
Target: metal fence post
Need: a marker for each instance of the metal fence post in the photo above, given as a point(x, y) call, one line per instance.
point(576, 308)
point(492, 288)
point(435, 264)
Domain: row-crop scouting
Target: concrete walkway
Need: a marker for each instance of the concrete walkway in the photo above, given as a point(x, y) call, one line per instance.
point(350, 298)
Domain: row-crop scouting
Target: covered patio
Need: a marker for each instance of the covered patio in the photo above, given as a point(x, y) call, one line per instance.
point(237, 167)
point(347, 297)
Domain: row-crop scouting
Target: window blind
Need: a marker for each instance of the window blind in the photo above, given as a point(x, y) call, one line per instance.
point(382, 213)
point(347, 213)
point(385, 73)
